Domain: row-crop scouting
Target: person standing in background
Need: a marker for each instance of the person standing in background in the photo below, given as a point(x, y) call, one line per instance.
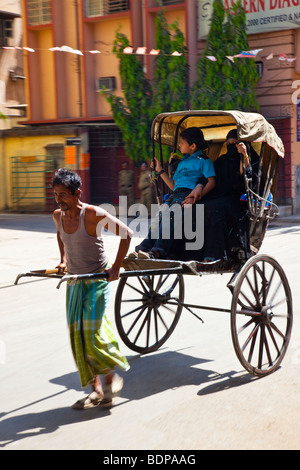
point(145, 186)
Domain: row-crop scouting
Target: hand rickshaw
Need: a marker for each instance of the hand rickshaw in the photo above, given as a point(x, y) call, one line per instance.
point(150, 295)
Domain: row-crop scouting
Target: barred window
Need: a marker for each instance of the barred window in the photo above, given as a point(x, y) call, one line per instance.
point(6, 31)
point(109, 137)
point(105, 7)
point(39, 12)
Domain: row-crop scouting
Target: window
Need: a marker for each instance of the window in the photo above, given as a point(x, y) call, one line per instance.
point(171, 2)
point(6, 31)
point(105, 7)
point(260, 68)
point(39, 12)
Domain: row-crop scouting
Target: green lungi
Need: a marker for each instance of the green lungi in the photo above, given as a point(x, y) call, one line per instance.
point(93, 341)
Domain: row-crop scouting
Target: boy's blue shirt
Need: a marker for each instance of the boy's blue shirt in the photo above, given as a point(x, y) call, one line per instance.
point(191, 168)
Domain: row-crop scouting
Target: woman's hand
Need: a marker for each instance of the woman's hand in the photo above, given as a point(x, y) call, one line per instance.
point(241, 148)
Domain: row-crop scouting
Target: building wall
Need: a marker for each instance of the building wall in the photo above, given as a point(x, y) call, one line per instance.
point(22, 161)
point(62, 87)
point(275, 92)
point(12, 93)
point(101, 36)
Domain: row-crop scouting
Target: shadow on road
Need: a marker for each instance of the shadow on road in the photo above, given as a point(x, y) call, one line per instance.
point(148, 375)
point(28, 222)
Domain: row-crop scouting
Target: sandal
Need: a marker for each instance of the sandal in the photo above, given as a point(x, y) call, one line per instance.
point(92, 400)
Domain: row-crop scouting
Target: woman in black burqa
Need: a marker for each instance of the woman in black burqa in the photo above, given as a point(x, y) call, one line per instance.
point(226, 222)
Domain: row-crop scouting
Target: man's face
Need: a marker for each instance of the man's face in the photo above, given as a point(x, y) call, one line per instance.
point(64, 198)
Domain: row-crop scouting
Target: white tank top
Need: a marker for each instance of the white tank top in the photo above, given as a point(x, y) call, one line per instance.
point(84, 253)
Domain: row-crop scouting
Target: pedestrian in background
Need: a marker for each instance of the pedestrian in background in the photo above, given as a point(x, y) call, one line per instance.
point(126, 183)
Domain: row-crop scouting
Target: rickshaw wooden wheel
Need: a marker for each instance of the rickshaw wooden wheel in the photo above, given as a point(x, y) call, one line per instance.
point(147, 309)
point(261, 315)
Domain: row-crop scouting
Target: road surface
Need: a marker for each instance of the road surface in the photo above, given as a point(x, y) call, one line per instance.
point(192, 394)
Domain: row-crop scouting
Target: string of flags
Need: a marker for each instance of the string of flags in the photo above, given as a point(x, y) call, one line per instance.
point(252, 55)
point(154, 52)
point(126, 50)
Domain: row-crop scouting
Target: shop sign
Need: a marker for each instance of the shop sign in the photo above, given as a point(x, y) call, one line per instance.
point(262, 16)
point(298, 120)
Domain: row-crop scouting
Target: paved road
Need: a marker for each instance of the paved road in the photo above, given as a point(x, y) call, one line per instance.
point(192, 394)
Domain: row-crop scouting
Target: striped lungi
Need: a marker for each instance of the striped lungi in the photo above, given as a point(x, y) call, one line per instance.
point(93, 341)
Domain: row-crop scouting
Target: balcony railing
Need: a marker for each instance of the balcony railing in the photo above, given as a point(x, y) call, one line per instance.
point(105, 7)
point(39, 12)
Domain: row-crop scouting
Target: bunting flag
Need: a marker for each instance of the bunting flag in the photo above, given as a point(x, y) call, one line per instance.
point(142, 50)
point(128, 50)
point(154, 51)
point(65, 49)
point(230, 57)
point(249, 54)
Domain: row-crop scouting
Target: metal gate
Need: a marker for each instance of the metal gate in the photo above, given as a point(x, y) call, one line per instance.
point(106, 149)
point(31, 178)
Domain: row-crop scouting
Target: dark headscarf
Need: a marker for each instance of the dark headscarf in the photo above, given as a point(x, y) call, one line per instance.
point(232, 134)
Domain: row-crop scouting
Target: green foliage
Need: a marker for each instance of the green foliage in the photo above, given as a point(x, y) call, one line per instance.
point(132, 113)
point(224, 84)
point(178, 72)
point(142, 102)
point(208, 88)
point(170, 83)
point(244, 71)
point(219, 85)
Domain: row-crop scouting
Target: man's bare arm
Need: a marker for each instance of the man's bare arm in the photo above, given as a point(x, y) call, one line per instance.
point(116, 226)
point(63, 263)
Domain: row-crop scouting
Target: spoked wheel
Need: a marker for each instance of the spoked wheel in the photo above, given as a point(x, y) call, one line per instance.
point(147, 309)
point(261, 315)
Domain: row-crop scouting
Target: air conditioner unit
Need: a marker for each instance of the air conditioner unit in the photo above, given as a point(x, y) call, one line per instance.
point(108, 82)
point(95, 8)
